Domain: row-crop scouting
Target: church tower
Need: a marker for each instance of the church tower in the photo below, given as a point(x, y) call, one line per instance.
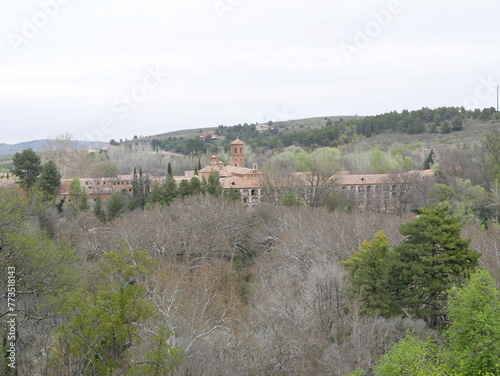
point(238, 153)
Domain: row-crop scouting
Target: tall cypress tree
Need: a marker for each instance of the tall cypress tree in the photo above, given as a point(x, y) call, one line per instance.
point(429, 161)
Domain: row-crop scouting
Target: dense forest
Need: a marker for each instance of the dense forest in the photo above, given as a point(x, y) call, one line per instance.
point(186, 281)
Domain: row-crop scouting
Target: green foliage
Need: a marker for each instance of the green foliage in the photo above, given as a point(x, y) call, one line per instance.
point(491, 144)
point(44, 269)
point(184, 188)
point(445, 127)
point(472, 203)
point(413, 357)
point(456, 123)
point(339, 201)
point(14, 212)
point(50, 179)
point(105, 316)
point(290, 199)
point(357, 372)
point(233, 194)
point(428, 262)
point(473, 337)
point(474, 330)
point(369, 275)
point(27, 168)
point(379, 162)
point(98, 210)
point(214, 187)
point(115, 205)
point(78, 198)
point(164, 193)
point(195, 185)
point(429, 161)
point(163, 358)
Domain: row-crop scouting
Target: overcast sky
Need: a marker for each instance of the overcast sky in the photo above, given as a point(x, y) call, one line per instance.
point(103, 69)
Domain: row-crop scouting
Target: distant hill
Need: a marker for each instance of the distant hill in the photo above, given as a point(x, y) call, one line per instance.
point(295, 125)
point(38, 146)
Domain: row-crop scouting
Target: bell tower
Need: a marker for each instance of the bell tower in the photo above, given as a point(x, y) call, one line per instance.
point(238, 153)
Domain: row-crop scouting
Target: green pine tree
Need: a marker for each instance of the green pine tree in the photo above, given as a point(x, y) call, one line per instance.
point(27, 167)
point(431, 259)
point(50, 179)
point(369, 275)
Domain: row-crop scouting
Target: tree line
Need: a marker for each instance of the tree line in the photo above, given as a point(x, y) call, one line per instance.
point(333, 133)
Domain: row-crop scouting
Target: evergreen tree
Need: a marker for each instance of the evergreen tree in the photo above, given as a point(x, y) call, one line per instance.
point(214, 187)
point(164, 193)
point(115, 205)
point(429, 161)
point(184, 188)
point(369, 275)
point(456, 123)
point(27, 167)
point(290, 199)
point(142, 194)
point(233, 194)
point(136, 189)
point(195, 185)
point(428, 262)
point(50, 179)
point(169, 169)
point(147, 189)
point(199, 164)
point(98, 210)
point(446, 128)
